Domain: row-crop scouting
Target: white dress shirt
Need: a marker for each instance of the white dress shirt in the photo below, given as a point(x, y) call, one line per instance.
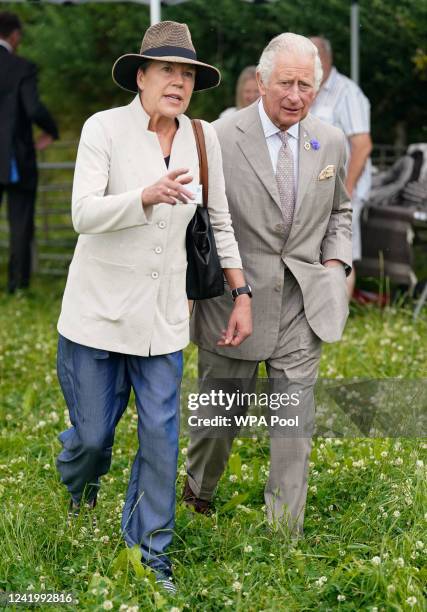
point(274, 143)
point(6, 45)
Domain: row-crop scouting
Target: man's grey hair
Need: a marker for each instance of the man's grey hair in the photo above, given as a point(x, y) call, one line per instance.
point(289, 43)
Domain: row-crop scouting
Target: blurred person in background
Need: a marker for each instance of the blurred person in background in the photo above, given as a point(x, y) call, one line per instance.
point(246, 90)
point(341, 102)
point(20, 108)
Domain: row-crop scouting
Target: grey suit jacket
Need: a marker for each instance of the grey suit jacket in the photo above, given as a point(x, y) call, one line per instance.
point(321, 230)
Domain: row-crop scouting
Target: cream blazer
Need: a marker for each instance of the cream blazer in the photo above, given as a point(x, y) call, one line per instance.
point(125, 290)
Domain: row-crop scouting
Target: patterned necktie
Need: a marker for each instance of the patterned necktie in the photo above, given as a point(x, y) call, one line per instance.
point(285, 182)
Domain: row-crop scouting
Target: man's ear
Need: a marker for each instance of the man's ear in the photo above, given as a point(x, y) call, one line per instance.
point(260, 84)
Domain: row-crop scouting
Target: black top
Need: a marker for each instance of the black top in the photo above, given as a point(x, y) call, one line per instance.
point(20, 107)
point(167, 160)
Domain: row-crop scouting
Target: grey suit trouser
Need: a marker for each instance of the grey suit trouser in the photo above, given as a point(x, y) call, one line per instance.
point(292, 365)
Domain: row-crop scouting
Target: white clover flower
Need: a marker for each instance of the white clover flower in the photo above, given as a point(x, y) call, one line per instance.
point(123, 608)
point(205, 592)
point(384, 454)
point(376, 560)
point(53, 416)
point(174, 609)
point(399, 562)
point(321, 581)
point(396, 513)
point(341, 598)
point(398, 461)
point(107, 605)
point(104, 539)
point(248, 549)
point(419, 544)
point(46, 466)
point(232, 478)
point(237, 586)
point(419, 463)
point(391, 588)
point(411, 601)
point(184, 451)
point(313, 489)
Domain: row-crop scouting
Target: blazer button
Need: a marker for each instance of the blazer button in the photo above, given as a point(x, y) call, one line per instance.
point(154, 275)
point(158, 250)
point(161, 224)
point(279, 228)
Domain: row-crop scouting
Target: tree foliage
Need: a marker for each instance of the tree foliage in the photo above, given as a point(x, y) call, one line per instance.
point(75, 47)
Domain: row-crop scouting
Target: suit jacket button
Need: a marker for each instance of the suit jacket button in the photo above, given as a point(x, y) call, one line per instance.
point(154, 275)
point(161, 224)
point(158, 250)
point(279, 228)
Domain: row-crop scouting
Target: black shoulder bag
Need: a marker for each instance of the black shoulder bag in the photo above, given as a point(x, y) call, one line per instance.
point(204, 273)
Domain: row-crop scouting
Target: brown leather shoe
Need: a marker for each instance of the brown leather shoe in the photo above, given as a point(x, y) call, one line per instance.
point(201, 506)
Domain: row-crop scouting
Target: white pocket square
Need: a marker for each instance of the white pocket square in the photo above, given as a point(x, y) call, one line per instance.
point(327, 172)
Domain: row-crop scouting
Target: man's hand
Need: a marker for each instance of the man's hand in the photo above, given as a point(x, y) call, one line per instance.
point(43, 141)
point(240, 323)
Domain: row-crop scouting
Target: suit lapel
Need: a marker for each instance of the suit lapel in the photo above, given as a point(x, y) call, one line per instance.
point(253, 145)
point(307, 162)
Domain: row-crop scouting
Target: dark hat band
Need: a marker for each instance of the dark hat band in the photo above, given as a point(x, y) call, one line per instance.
point(170, 51)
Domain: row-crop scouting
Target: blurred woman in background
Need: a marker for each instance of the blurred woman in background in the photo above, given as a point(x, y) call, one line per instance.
point(246, 90)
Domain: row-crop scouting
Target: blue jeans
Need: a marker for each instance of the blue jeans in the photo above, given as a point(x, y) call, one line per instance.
point(96, 385)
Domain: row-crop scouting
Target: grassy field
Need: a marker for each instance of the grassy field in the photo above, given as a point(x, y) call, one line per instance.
point(365, 532)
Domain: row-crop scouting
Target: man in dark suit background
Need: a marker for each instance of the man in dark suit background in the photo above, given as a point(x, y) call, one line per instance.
point(20, 107)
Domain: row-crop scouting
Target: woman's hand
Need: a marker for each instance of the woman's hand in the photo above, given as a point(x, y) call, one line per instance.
point(168, 189)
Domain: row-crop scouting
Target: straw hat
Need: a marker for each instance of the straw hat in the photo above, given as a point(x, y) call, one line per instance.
point(166, 41)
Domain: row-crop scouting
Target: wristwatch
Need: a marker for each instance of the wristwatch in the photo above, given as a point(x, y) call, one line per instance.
point(247, 289)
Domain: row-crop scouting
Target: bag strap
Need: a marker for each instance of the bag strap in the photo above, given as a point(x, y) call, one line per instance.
point(203, 158)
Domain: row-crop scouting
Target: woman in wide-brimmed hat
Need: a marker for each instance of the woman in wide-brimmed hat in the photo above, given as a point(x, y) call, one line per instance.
point(124, 318)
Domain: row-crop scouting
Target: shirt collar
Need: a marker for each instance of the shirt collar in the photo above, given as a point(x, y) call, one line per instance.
point(5, 44)
point(268, 126)
point(329, 83)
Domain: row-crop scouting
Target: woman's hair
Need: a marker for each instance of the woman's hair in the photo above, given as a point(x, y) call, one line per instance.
point(290, 43)
point(247, 74)
point(143, 66)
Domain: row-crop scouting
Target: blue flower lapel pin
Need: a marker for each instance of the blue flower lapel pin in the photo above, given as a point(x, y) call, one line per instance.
point(312, 144)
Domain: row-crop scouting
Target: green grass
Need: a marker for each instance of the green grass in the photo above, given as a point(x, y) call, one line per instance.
point(364, 546)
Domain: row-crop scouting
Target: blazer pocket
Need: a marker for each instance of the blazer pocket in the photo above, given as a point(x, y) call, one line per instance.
point(108, 288)
point(177, 304)
point(338, 284)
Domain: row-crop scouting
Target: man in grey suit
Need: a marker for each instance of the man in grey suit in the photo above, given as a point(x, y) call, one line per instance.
point(284, 174)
